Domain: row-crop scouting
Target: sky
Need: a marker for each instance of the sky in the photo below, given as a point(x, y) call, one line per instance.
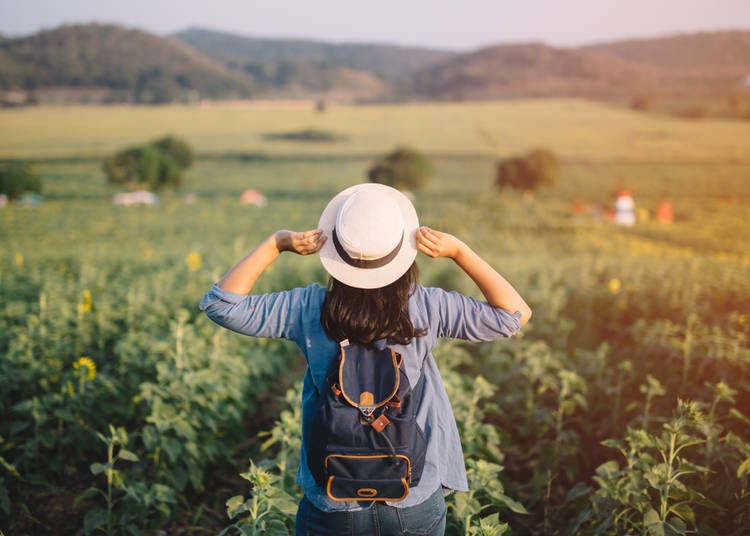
point(443, 24)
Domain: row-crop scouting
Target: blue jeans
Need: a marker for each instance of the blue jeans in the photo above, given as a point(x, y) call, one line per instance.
point(425, 519)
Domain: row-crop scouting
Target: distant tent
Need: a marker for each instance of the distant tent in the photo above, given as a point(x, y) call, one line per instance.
point(190, 199)
point(253, 197)
point(30, 199)
point(140, 197)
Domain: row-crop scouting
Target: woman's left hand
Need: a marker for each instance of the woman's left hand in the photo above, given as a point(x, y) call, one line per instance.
point(301, 243)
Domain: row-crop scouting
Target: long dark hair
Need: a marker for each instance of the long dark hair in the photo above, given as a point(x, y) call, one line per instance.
point(367, 315)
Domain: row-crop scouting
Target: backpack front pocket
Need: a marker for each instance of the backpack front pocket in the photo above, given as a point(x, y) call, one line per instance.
point(378, 477)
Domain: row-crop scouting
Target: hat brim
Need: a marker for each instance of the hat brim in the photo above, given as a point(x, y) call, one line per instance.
point(369, 278)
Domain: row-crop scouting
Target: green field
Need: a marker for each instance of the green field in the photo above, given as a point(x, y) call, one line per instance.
point(582, 412)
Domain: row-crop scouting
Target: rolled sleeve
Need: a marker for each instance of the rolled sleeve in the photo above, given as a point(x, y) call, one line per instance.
point(464, 317)
point(274, 315)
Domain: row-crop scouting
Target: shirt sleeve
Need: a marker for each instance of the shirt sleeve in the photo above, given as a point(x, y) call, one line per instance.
point(464, 317)
point(275, 315)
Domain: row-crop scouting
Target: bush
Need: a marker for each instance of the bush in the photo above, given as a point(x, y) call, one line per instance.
point(537, 168)
point(308, 134)
point(177, 148)
point(154, 166)
point(404, 168)
point(16, 178)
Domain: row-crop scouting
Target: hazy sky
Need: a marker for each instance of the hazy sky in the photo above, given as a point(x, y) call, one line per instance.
point(450, 24)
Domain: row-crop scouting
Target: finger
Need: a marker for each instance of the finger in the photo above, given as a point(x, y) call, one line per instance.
point(312, 244)
point(426, 250)
point(430, 241)
point(319, 244)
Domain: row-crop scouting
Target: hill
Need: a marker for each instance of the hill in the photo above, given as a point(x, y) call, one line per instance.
point(685, 52)
point(689, 64)
point(532, 69)
point(108, 62)
point(706, 61)
point(388, 62)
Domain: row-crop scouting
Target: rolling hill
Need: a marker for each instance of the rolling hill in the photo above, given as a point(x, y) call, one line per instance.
point(699, 62)
point(109, 63)
point(531, 69)
point(124, 64)
point(388, 62)
point(691, 64)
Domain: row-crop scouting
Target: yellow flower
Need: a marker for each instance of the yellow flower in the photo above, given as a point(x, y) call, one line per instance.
point(741, 320)
point(85, 306)
point(614, 285)
point(194, 261)
point(18, 260)
point(70, 389)
point(90, 367)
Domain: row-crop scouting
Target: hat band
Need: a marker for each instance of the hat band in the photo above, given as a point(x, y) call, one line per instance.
point(365, 263)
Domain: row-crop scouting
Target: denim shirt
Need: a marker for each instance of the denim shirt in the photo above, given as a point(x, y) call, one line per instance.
point(295, 315)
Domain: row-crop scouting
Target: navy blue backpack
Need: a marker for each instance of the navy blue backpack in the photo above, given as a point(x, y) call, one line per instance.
point(365, 444)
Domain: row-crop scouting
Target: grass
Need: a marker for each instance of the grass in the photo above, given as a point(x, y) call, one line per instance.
point(574, 129)
point(564, 264)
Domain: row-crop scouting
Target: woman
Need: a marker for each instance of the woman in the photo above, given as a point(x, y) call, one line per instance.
point(367, 239)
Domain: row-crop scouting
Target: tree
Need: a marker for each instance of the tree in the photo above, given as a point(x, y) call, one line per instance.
point(156, 165)
point(404, 168)
point(177, 148)
point(16, 178)
point(528, 172)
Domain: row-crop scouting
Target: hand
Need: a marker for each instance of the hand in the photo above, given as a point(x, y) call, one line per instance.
point(301, 243)
point(437, 244)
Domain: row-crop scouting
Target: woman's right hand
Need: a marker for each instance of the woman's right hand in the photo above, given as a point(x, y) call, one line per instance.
point(301, 243)
point(437, 244)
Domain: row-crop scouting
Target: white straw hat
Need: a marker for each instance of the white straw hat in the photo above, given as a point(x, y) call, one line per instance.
point(371, 235)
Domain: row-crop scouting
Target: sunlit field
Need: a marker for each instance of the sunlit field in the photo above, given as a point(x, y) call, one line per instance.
point(622, 408)
point(573, 129)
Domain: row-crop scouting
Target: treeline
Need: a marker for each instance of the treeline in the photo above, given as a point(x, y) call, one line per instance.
point(132, 65)
point(126, 65)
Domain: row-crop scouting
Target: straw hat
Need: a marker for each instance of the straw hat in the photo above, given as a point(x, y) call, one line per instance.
point(371, 235)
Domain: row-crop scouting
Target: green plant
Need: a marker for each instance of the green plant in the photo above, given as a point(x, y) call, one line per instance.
point(476, 511)
point(528, 172)
point(17, 178)
point(273, 497)
point(103, 519)
point(404, 168)
point(268, 510)
point(156, 165)
point(654, 492)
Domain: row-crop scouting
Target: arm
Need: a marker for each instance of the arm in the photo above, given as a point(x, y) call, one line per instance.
point(496, 290)
point(242, 276)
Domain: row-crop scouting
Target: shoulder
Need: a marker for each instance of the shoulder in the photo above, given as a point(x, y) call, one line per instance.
point(311, 295)
point(426, 302)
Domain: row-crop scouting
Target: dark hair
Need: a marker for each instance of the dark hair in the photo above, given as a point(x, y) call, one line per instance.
point(367, 315)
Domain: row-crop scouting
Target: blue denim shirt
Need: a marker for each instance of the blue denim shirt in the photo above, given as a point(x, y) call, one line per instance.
point(295, 315)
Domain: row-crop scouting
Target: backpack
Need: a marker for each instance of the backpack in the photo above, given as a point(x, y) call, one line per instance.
point(365, 443)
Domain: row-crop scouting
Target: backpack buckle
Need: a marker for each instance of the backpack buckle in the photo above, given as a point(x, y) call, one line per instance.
point(367, 410)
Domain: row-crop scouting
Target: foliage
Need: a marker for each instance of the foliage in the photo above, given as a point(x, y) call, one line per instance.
point(274, 494)
point(155, 166)
point(662, 484)
point(17, 178)
point(404, 168)
point(154, 69)
point(626, 321)
point(529, 172)
point(308, 134)
point(177, 148)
